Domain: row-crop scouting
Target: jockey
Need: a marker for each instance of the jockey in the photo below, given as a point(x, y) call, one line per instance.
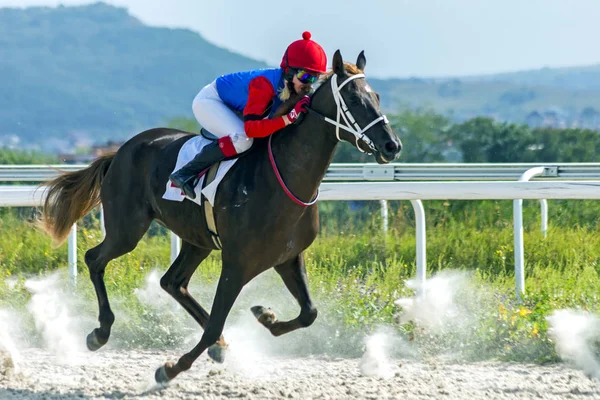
point(257, 95)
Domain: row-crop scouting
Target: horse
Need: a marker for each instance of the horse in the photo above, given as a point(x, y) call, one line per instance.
point(265, 209)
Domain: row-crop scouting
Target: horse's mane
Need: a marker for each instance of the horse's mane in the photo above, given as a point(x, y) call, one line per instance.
point(349, 67)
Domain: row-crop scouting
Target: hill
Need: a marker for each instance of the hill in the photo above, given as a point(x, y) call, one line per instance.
point(577, 78)
point(560, 97)
point(93, 73)
point(97, 71)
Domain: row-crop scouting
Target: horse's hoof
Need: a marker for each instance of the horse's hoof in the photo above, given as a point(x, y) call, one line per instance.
point(217, 353)
point(264, 315)
point(161, 375)
point(92, 341)
point(258, 311)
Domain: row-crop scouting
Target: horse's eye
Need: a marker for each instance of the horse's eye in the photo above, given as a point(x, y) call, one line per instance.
point(355, 101)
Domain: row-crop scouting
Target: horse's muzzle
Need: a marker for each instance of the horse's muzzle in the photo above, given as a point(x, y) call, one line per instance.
point(389, 152)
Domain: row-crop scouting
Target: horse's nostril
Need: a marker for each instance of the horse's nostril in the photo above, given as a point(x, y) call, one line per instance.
point(391, 147)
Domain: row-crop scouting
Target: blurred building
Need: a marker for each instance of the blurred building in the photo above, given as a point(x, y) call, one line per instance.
point(95, 151)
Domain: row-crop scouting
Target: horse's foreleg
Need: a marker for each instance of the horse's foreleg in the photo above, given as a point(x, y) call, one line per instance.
point(230, 285)
point(293, 274)
point(175, 282)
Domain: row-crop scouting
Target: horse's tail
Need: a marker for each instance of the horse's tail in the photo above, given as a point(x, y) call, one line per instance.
point(71, 196)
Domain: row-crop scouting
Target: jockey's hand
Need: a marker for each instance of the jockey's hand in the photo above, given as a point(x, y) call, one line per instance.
point(299, 108)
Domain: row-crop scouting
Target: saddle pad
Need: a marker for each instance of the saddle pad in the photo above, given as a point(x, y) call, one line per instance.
point(187, 152)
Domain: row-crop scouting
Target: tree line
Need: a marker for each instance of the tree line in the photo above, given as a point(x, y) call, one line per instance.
point(429, 137)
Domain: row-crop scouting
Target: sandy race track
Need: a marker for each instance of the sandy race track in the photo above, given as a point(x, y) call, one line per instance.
point(46, 358)
point(127, 374)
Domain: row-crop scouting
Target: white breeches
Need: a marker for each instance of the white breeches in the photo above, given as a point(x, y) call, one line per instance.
point(218, 118)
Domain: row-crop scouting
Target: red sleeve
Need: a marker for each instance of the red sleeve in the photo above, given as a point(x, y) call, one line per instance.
point(260, 97)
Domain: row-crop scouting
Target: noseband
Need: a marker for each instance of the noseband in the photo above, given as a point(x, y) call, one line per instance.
point(350, 124)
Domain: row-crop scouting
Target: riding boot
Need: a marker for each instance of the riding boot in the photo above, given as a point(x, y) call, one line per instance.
point(186, 178)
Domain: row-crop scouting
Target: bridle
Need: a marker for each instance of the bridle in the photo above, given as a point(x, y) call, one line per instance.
point(350, 124)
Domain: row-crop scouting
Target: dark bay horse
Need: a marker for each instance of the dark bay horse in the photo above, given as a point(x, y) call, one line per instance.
point(259, 225)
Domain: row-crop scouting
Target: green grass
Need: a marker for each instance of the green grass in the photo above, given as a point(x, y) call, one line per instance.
point(355, 276)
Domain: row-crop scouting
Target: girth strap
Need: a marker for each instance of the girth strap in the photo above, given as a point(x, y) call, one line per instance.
point(208, 208)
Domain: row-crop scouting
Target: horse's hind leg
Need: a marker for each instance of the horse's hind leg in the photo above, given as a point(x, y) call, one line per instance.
point(293, 274)
point(122, 235)
point(175, 282)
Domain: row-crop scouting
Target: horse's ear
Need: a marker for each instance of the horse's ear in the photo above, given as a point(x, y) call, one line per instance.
point(338, 64)
point(361, 61)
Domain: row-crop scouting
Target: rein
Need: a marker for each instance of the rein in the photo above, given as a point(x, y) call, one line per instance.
point(282, 183)
point(350, 126)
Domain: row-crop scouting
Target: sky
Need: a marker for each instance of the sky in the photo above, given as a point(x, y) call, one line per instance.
point(401, 38)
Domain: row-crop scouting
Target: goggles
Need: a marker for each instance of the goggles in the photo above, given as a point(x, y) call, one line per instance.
point(306, 77)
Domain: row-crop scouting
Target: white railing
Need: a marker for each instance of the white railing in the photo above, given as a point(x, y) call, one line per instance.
point(580, 186)
point(31, 196)
point(368, 172)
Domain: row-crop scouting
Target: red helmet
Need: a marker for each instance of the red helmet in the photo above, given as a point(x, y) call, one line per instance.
point(305, 54)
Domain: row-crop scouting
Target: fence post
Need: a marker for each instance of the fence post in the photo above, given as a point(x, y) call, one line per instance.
point(175, 246)
point(518, 233)
point(421, 245)
point(384, 215)
point(102, 227)
point(72, 258)
point(544, 211)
